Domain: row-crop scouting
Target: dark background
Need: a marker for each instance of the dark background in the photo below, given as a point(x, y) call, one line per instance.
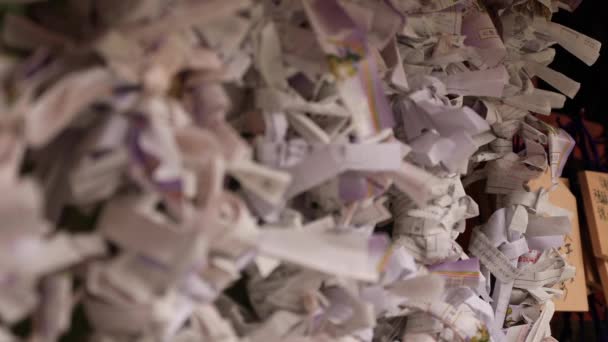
point(591, 19)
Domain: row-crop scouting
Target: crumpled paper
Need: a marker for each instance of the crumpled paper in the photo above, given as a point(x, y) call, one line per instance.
point(257, 170)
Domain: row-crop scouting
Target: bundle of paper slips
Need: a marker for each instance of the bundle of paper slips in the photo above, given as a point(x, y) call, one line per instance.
point(280, 170)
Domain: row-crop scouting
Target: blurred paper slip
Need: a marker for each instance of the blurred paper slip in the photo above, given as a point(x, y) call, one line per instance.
point(538, 101)
point(594, 189)
point(373, 213)
point(436, 5)
point(358, 81)
point(481, 247)
point(517, 333)
point(561, 145)
point(459, 273)
point(507, 175)
point(481, 34)
point(556, 79)
point(569, 5)
point(125, 222)
point(349, 255)
point(575, 290)
point(330, 160)
point(60, 105)
point(540, 329)
point(584, 48)
point(446, 22)
point(490, 82)
point(267, 183)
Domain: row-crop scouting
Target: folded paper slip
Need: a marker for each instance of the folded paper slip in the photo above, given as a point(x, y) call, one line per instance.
point(575, 290)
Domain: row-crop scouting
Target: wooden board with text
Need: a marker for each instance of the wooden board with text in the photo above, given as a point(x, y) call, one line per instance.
point(575, 290)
